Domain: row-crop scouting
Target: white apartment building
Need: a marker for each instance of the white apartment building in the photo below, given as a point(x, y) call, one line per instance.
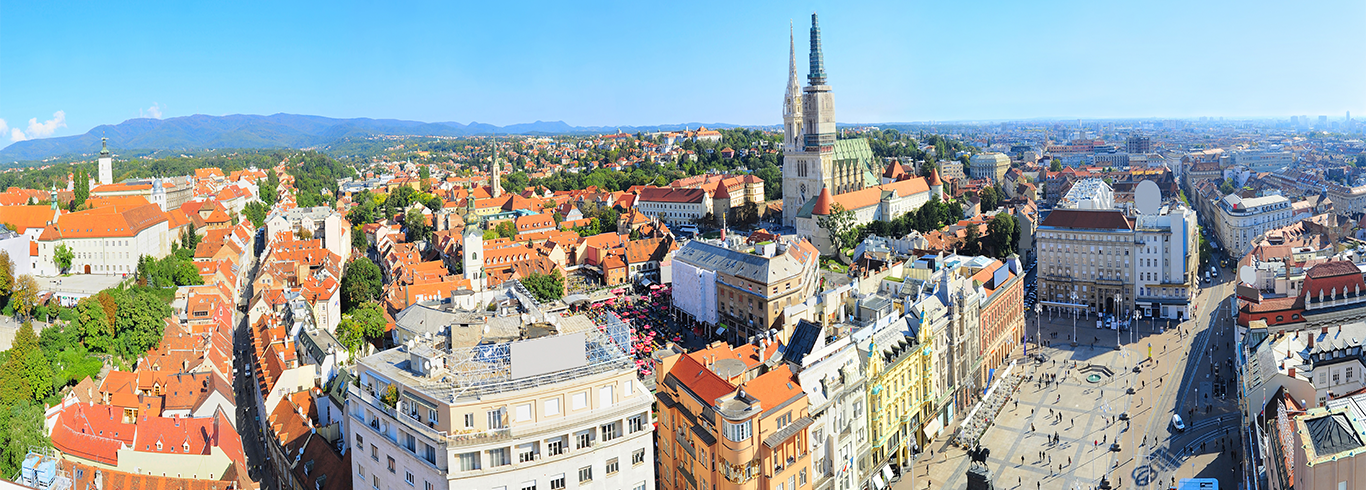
point(1167, 251)
point(500, 402)
point(1242, 220)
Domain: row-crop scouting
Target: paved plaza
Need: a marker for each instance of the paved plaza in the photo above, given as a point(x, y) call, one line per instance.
point(1084, 414)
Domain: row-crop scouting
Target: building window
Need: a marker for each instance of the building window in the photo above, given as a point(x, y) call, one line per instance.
point(584, 439)
point(552, 406)
point(612, 466)
point(469, 421)
point(555, 447)
point(736, 432)
point(585, 474)
point(469, 461)
point(530, 485)
point(801, 477)
point(408, 477)
point(557, 483)
point(580, 401)
point(391, 464)
point(429, 453)
point(496, 418)
point(636, 423)
point(526, 452)
point(609, 432)
point(499, 457)
point(638, 457)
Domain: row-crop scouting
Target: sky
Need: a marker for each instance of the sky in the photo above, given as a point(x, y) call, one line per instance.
point(66, 67)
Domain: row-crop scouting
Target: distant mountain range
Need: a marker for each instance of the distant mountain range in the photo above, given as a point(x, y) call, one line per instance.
point(201, 132)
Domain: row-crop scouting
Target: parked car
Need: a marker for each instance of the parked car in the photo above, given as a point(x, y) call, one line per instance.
point(1177, 423)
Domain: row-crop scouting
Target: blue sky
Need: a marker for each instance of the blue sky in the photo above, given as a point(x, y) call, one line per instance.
point(641, 63)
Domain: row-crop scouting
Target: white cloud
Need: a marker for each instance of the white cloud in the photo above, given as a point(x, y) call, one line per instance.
point(3, 126)
point(153, 112)
point(40, 129)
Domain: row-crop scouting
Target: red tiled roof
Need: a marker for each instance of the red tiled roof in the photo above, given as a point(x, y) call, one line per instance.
point(822, 203)
point(1088, 219)
point(656, 194)
point(702, 381)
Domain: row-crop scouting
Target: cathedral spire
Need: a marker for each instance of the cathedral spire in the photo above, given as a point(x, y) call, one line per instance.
point(793, 88)
point(817, 74)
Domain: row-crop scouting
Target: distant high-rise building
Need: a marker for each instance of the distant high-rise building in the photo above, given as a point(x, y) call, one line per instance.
point(1138, 144)
point(1323, 122)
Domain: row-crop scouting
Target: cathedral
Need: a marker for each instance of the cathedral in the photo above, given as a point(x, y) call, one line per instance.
point(822, 173)
point(813, 159)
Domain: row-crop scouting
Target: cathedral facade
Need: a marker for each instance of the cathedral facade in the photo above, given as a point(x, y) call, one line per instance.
point(813, 158)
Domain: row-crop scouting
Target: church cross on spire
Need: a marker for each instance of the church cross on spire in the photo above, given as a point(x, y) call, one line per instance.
point(817, 74)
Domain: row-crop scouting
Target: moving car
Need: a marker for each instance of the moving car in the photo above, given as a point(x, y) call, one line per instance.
point(1177, 423)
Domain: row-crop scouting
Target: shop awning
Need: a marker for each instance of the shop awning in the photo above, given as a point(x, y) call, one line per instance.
point(932, 428)
point(887, 472)
point(877, 481)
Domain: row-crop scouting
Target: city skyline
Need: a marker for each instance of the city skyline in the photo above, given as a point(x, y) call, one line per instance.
point(645, 65)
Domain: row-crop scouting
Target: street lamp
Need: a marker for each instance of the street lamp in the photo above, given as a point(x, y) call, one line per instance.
point(1074, 317)
point(1038, 335)
point(1115, 315)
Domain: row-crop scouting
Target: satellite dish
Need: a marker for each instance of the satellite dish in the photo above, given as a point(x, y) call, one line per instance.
point(1148, 198)
point(1247, 274)
point(427, 365)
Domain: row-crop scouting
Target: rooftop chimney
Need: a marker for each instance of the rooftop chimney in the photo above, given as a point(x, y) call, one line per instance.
point(1292, 371)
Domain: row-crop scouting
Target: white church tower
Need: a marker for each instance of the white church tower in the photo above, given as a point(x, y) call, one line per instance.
point(472, 240)
point(158, 196)
point(106, 163)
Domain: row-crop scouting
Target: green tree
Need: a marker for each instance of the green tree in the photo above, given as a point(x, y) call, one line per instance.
point(63, 257)
point(1002, 231)
point(139, 323)
point(358, 239)
point(21, 428)
point(364, 324)
point(1227, 187)
point(36, 368)
point(1055, 166)
point(417, 226)
point(425, 174)
point(990, 199)
point(972, 241)
point(361, 283)
point(546, 287)
point(927, 167)
point(95, 327)
point(840, 225)
point(256, 212)
point(25, 295)
point(506, 229)
point(6, 274)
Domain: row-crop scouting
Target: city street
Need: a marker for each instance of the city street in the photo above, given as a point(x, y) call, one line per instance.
point(1087, 415)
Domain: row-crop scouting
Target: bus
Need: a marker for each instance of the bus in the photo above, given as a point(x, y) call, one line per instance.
point(1196, 484)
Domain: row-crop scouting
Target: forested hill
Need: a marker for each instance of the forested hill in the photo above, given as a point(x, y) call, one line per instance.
point(200, 132)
